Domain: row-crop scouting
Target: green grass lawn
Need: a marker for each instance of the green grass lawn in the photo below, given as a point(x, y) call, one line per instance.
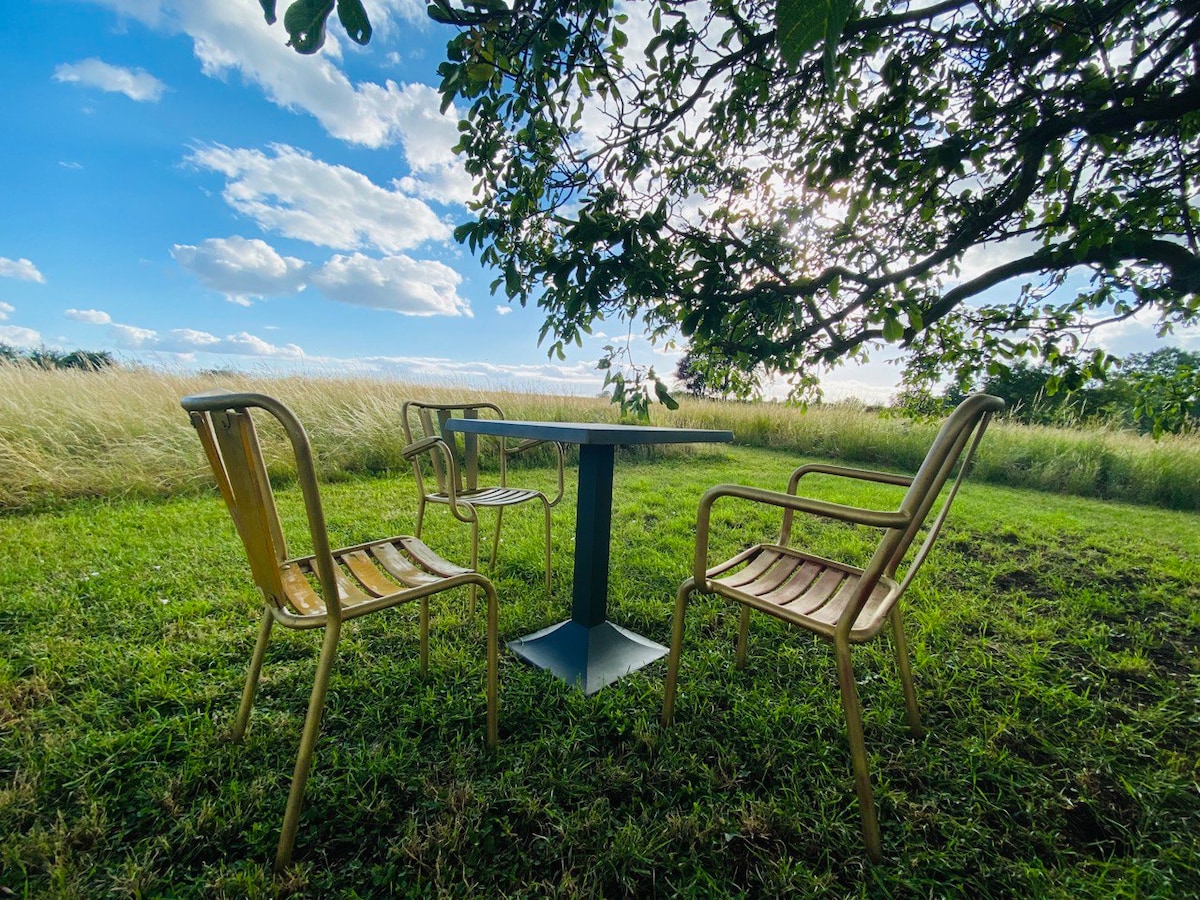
point(1056, 657)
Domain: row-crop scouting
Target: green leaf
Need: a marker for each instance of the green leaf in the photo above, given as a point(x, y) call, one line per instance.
point(802, 24)
point(440, 11)
point(664, 396)
point(268, 8)
point(305, 23)
point(354, 19)
point(892, 329)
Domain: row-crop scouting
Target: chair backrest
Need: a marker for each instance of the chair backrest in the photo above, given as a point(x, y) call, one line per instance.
point(431, 419)
point(226, 429)
point(955, 444)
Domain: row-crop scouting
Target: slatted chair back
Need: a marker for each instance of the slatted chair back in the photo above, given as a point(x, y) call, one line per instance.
point(234, 453)
point(231, 444)
point(955, 444)
point(431, 419)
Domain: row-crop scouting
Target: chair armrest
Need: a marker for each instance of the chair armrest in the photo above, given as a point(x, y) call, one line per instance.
point(430, 444)
point(529, 445)
point(847, 472)
point(785, 531)
point(416, 448)
point(525, 445)
point(855, 515)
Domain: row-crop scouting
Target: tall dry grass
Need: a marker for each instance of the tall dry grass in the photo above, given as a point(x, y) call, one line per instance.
point(65, 434)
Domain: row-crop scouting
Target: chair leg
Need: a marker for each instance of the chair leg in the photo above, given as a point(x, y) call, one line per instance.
point(420, 515)
point(424, 620)
point(474, 560)
point(252, 676)
point(858, 752)
point(308, 741)
point(906, 678)
point(681, 602)
point(739, 658)
point(493, 670)
point(546, 507)
point(496, 537)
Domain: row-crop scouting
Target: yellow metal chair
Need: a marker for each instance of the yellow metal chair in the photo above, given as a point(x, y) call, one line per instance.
point(454, 461)
point(840, 603)
point(322, 590)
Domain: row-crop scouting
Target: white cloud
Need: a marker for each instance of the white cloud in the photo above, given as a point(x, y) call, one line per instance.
point(232, 36)
point(331, 206)
point(91, 316)
point(70, 164)
point(982, 258)
point(502, 310)
point(241, 268)
point(136, 84)
point(399, 283)
point(443, 183)
point(21, 269)
point(578, 378)
point(16, 336)
point(183, 341)
point(189, 340)
point(132, 336)
point(5, 309)
point(250, 345)
point(193, 338)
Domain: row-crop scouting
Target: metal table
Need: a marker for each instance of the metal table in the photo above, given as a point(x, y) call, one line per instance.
point(587, 649)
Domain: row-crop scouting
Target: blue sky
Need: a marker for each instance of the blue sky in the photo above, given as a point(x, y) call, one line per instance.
point(184, 190)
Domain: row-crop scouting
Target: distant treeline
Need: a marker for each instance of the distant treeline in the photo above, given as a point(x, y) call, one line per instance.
point(1149, 393)
point(45, 358)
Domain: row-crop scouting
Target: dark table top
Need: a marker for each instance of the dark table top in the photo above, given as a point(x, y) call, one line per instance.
point(588, 432)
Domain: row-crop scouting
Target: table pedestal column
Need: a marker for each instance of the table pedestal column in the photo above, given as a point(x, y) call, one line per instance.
point(587, 649)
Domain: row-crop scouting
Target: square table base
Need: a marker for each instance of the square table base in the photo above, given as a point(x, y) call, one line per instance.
point(588, 657)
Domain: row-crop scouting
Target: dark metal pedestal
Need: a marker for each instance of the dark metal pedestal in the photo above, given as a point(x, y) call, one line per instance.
point(587, 657)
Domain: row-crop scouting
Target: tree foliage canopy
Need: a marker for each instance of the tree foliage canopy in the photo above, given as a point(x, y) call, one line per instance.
point(972, 182)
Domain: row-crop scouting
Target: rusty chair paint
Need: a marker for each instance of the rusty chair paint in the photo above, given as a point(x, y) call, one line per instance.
point(842, 604)
point(454, 463)
point(325, 589)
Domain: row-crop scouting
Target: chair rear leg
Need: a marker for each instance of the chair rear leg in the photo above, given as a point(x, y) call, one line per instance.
point(420, 515)
point(858, 752)
point(496, 538)
point(308, 741)
point(474, 560)
point(546, 508)
point(739, 658)
point(681, 602)
point(906, 678)
point(424, 640)
point(252, 676)
point(493, 671)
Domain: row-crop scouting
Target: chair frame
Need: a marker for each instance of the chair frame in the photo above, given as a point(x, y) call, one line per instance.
point(458, 484)
point(413, 571)
point(869, 602)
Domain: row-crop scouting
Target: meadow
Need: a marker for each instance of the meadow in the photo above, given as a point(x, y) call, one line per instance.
point(1055, 632)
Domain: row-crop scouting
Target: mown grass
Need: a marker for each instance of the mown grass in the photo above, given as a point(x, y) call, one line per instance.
point(67, 434)
point(1056, 654)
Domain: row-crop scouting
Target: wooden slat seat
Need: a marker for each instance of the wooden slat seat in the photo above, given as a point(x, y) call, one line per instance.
point(805, 589)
